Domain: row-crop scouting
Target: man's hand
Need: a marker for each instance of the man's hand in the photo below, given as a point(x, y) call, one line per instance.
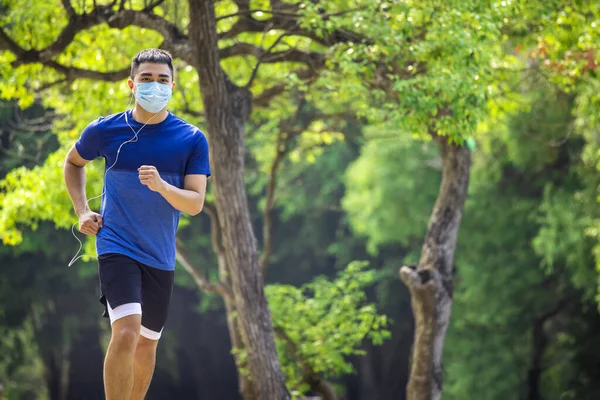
point(90, 223)
point(150, 177)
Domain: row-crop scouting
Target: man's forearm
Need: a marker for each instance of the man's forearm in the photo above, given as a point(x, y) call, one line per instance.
point(188, 201)
point(75, 182)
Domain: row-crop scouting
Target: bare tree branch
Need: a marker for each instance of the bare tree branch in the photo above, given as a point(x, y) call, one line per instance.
point(216, 237)
point(249, 24)
point(259, 10)
point(200, 280)
point(153, 5)
point(287, 132)
point(286, 22)
point(261, 59)
point(186, 104)
point(312, 59)
point(304, 74)
point(72, 73)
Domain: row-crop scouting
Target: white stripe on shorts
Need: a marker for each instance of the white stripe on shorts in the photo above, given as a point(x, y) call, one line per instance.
point(123, 311)
point(150, 334)
point(132, 309)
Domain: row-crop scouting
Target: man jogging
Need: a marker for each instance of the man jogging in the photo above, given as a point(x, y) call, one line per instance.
point(156, 167)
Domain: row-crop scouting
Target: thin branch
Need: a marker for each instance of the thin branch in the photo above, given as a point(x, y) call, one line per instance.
point(312, 59)
point(250, 24)
point(217, 242)
point(287, 132)
point(216, 234)
point(153, 5)
point(289, 25)
point(262, 99)
point(259, 10)
point(48, 85)
point(200, 280)
point(72, 73)
point(187, 108)
point(260, 60)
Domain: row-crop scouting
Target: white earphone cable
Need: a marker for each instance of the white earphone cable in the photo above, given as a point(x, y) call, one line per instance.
point(132, 140)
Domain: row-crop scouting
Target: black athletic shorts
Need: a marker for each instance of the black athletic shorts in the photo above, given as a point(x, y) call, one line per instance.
point(137, 289)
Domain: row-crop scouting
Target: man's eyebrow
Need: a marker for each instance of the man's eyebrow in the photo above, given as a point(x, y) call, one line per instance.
point(160, 75)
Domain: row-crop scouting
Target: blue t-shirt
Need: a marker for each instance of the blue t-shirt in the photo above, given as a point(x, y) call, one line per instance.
point(138, 222)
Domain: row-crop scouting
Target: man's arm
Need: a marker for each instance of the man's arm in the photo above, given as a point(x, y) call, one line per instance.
point(190, 199)
point(74, 174)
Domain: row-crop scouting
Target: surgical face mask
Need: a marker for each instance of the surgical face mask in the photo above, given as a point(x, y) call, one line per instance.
point(153, 96)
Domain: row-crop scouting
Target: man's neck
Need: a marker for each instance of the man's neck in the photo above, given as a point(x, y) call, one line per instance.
point(144, 117)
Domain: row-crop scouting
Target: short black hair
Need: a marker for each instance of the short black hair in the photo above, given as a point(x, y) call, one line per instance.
point(157, 56)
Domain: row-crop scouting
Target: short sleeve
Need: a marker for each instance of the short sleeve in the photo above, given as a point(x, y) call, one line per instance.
point(90, 144)
point(198, 162)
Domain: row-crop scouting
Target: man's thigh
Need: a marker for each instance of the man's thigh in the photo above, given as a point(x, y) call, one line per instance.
point(157, 287)
point(121, 286)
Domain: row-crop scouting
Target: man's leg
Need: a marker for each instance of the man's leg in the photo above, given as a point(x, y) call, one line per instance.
point(119, 362)
point(157, 286)
point(143, 367)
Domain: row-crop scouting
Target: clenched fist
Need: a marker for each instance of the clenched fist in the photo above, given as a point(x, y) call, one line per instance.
point(150, 177)
point(90, 223)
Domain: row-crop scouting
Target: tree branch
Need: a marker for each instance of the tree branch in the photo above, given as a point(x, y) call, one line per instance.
point(153, 5)
point(145, 19)
point(261, 59)
point(200, 280)
point(68, 7)
point(6, 43)
point(287, 23)
point(175, 40)
point(215, 227)
point(259, 10)
point(317, 384)
point(262, 99)
point(243, 5)
point(293, 55)
point(282, 147)
point(73, 73)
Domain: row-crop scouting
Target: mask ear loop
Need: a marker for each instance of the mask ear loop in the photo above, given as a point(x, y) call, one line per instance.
point(132, 140)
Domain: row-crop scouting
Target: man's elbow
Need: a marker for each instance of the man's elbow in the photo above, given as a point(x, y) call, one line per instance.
point(196, 210)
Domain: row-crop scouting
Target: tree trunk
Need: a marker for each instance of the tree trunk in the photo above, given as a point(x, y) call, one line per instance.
point(246, 388)
point(535, 371)
point(430, 283)
point(539, 344)
point(227, 106)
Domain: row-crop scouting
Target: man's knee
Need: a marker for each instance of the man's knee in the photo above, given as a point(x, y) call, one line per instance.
point(126, 334)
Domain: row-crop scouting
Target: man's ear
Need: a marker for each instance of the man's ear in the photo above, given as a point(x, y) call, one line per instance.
point(130, 84)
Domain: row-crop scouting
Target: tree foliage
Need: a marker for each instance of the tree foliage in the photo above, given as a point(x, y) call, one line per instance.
point(320, 324)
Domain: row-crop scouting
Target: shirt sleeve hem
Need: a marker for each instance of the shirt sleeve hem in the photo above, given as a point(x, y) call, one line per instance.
point(83, 153)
